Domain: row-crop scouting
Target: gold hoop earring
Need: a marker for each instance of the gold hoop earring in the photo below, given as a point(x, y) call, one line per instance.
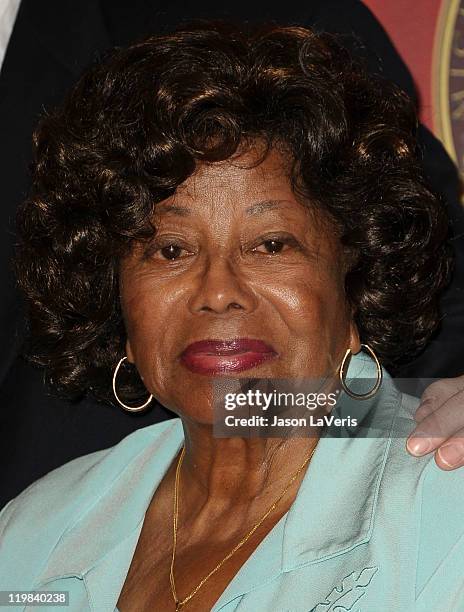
point(342, 375)
point(122, 404)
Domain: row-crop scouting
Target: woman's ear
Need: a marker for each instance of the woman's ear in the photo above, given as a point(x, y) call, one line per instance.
point(355, 342)
point(129, 353)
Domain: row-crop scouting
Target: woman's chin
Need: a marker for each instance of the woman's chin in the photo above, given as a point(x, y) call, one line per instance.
point(204, 417)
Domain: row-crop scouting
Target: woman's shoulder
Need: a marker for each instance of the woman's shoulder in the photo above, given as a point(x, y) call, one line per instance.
point(417, 484)
point(441, 534)
point(71, 503)
point(436, 499)
point(436, 488)
point(65, 492)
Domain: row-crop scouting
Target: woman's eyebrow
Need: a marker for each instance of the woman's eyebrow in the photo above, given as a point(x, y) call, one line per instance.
point(184, 211)
point(265, 205)
point(254, 209)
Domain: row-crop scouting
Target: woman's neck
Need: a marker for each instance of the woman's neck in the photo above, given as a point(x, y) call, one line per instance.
point(237, 471)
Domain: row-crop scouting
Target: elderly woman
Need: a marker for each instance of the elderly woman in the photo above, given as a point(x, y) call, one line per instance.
point(215, 203)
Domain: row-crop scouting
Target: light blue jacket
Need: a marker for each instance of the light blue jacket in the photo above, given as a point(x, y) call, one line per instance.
point(372, 529)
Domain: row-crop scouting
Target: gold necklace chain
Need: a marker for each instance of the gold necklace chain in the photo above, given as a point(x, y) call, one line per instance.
point(182, 602)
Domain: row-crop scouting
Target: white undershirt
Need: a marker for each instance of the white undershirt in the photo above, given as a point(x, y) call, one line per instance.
point(8, 12)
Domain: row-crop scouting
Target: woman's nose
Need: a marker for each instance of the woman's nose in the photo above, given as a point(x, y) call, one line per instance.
point(220, 288)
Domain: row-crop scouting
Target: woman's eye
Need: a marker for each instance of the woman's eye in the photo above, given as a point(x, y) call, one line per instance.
point(273, 246)
point(169, 252)
point(270, 246)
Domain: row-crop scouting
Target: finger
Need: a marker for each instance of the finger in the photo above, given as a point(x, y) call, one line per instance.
point(425, 408)
point(438, 426)
point(420, 443)
point(450, 455)
point(436, 394)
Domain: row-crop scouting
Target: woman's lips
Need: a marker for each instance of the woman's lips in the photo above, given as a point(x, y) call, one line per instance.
point(221, 356)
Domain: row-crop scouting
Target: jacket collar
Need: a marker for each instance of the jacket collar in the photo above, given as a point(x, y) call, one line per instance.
point(315, 528)
point(344, 466)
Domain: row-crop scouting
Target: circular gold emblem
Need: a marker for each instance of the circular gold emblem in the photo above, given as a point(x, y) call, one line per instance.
point(448, 79)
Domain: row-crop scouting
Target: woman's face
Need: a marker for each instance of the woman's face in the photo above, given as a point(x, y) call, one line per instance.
point(235, 257)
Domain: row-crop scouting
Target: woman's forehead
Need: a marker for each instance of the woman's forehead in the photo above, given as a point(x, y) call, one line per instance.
point(248, 210)
point(239, 183)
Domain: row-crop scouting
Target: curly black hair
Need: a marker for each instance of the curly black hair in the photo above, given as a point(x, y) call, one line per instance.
point(138, 123)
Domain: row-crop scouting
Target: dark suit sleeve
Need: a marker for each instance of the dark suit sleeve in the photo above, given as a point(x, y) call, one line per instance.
point(364, 35)
point(51, 44)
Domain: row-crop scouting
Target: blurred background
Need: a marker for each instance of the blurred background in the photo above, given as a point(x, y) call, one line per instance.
point(429, 36)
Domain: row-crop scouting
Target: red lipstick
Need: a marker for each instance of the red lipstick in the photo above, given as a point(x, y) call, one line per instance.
point(214, 357)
